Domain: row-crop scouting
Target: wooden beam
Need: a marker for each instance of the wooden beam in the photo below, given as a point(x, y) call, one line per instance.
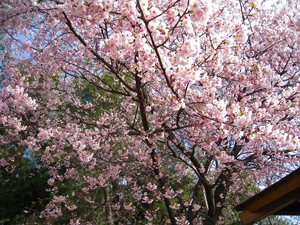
point(276, 191)
point(271, 200)
point(249, 218)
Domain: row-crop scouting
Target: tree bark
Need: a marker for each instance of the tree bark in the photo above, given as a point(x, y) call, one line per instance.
point(109, 218)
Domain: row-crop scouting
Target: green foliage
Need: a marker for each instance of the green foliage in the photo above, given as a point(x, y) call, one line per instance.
point(1, 50)
point(22, 192)
point(274, 220)
point(232, 216)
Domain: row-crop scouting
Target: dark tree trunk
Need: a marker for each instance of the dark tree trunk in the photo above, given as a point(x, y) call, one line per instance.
point(209, 220)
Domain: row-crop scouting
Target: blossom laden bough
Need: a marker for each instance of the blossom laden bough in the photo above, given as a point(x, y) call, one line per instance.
point(156, 112)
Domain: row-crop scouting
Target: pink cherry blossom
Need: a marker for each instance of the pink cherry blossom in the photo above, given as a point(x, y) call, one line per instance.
point(134, 106)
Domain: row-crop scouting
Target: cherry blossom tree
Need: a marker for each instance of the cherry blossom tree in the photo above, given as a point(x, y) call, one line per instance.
point(158, 112)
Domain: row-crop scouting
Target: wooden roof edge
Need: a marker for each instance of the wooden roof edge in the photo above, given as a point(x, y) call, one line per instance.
point(270, 189)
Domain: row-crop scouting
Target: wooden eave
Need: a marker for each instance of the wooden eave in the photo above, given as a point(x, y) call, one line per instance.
point(281, 198)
